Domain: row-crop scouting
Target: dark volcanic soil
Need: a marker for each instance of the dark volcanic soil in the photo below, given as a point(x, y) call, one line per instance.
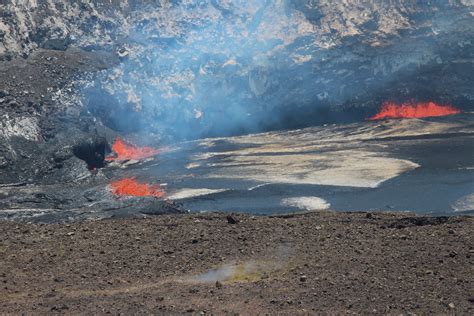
point(325, 262)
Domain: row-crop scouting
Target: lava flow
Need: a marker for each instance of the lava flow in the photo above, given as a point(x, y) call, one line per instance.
point(414, 110)
point(127, 151)
point(131, 187)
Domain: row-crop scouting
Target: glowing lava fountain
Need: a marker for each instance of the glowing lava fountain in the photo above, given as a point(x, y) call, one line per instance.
point(414, 110)
point(131, 187)
point(127, 151)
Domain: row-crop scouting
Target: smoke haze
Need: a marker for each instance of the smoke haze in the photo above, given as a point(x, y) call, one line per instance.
point(213, 68)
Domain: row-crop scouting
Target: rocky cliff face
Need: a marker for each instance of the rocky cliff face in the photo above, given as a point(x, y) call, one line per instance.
point(28, 24)
point(269, 62)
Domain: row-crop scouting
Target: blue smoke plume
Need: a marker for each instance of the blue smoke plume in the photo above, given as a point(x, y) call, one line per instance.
point(205, 68)
point(208, 68)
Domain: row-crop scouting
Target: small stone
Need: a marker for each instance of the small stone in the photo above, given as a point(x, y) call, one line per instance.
point(368, 215)
point(123, 52)
point(70, 234)
point(303, 278)
point(13, 103)
point(451, 305)
point(231, 220)
point(219, 285)
point(59, 307)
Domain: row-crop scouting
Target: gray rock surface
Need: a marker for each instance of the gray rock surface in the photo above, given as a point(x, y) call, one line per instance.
point(257, 56)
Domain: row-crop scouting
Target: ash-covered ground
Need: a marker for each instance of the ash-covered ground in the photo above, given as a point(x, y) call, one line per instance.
point(323, 262)
point(158, 74)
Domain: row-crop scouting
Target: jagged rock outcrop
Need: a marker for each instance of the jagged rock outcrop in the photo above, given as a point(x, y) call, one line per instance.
point(29, 24)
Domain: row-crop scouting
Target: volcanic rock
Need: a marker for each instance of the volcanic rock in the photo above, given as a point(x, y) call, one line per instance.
point(231, 219)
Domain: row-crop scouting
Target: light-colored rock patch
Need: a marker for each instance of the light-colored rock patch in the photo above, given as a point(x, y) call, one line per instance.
point(189, 193)
point(466, 203)
point(307, 203)
point(26, 127)
point(355, 168)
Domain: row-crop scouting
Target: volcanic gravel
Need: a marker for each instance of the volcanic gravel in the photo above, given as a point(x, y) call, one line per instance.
point(304, 263)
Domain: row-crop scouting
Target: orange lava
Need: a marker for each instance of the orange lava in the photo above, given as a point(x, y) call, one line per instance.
point(414, 110)
point(130, 187)
point(127, 151)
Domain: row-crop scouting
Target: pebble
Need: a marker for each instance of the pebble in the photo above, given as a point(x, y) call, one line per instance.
point(232, 220)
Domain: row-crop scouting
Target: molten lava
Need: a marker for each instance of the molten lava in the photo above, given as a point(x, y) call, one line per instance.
point(414, 110)
point(127, 151)
point(130, 187)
